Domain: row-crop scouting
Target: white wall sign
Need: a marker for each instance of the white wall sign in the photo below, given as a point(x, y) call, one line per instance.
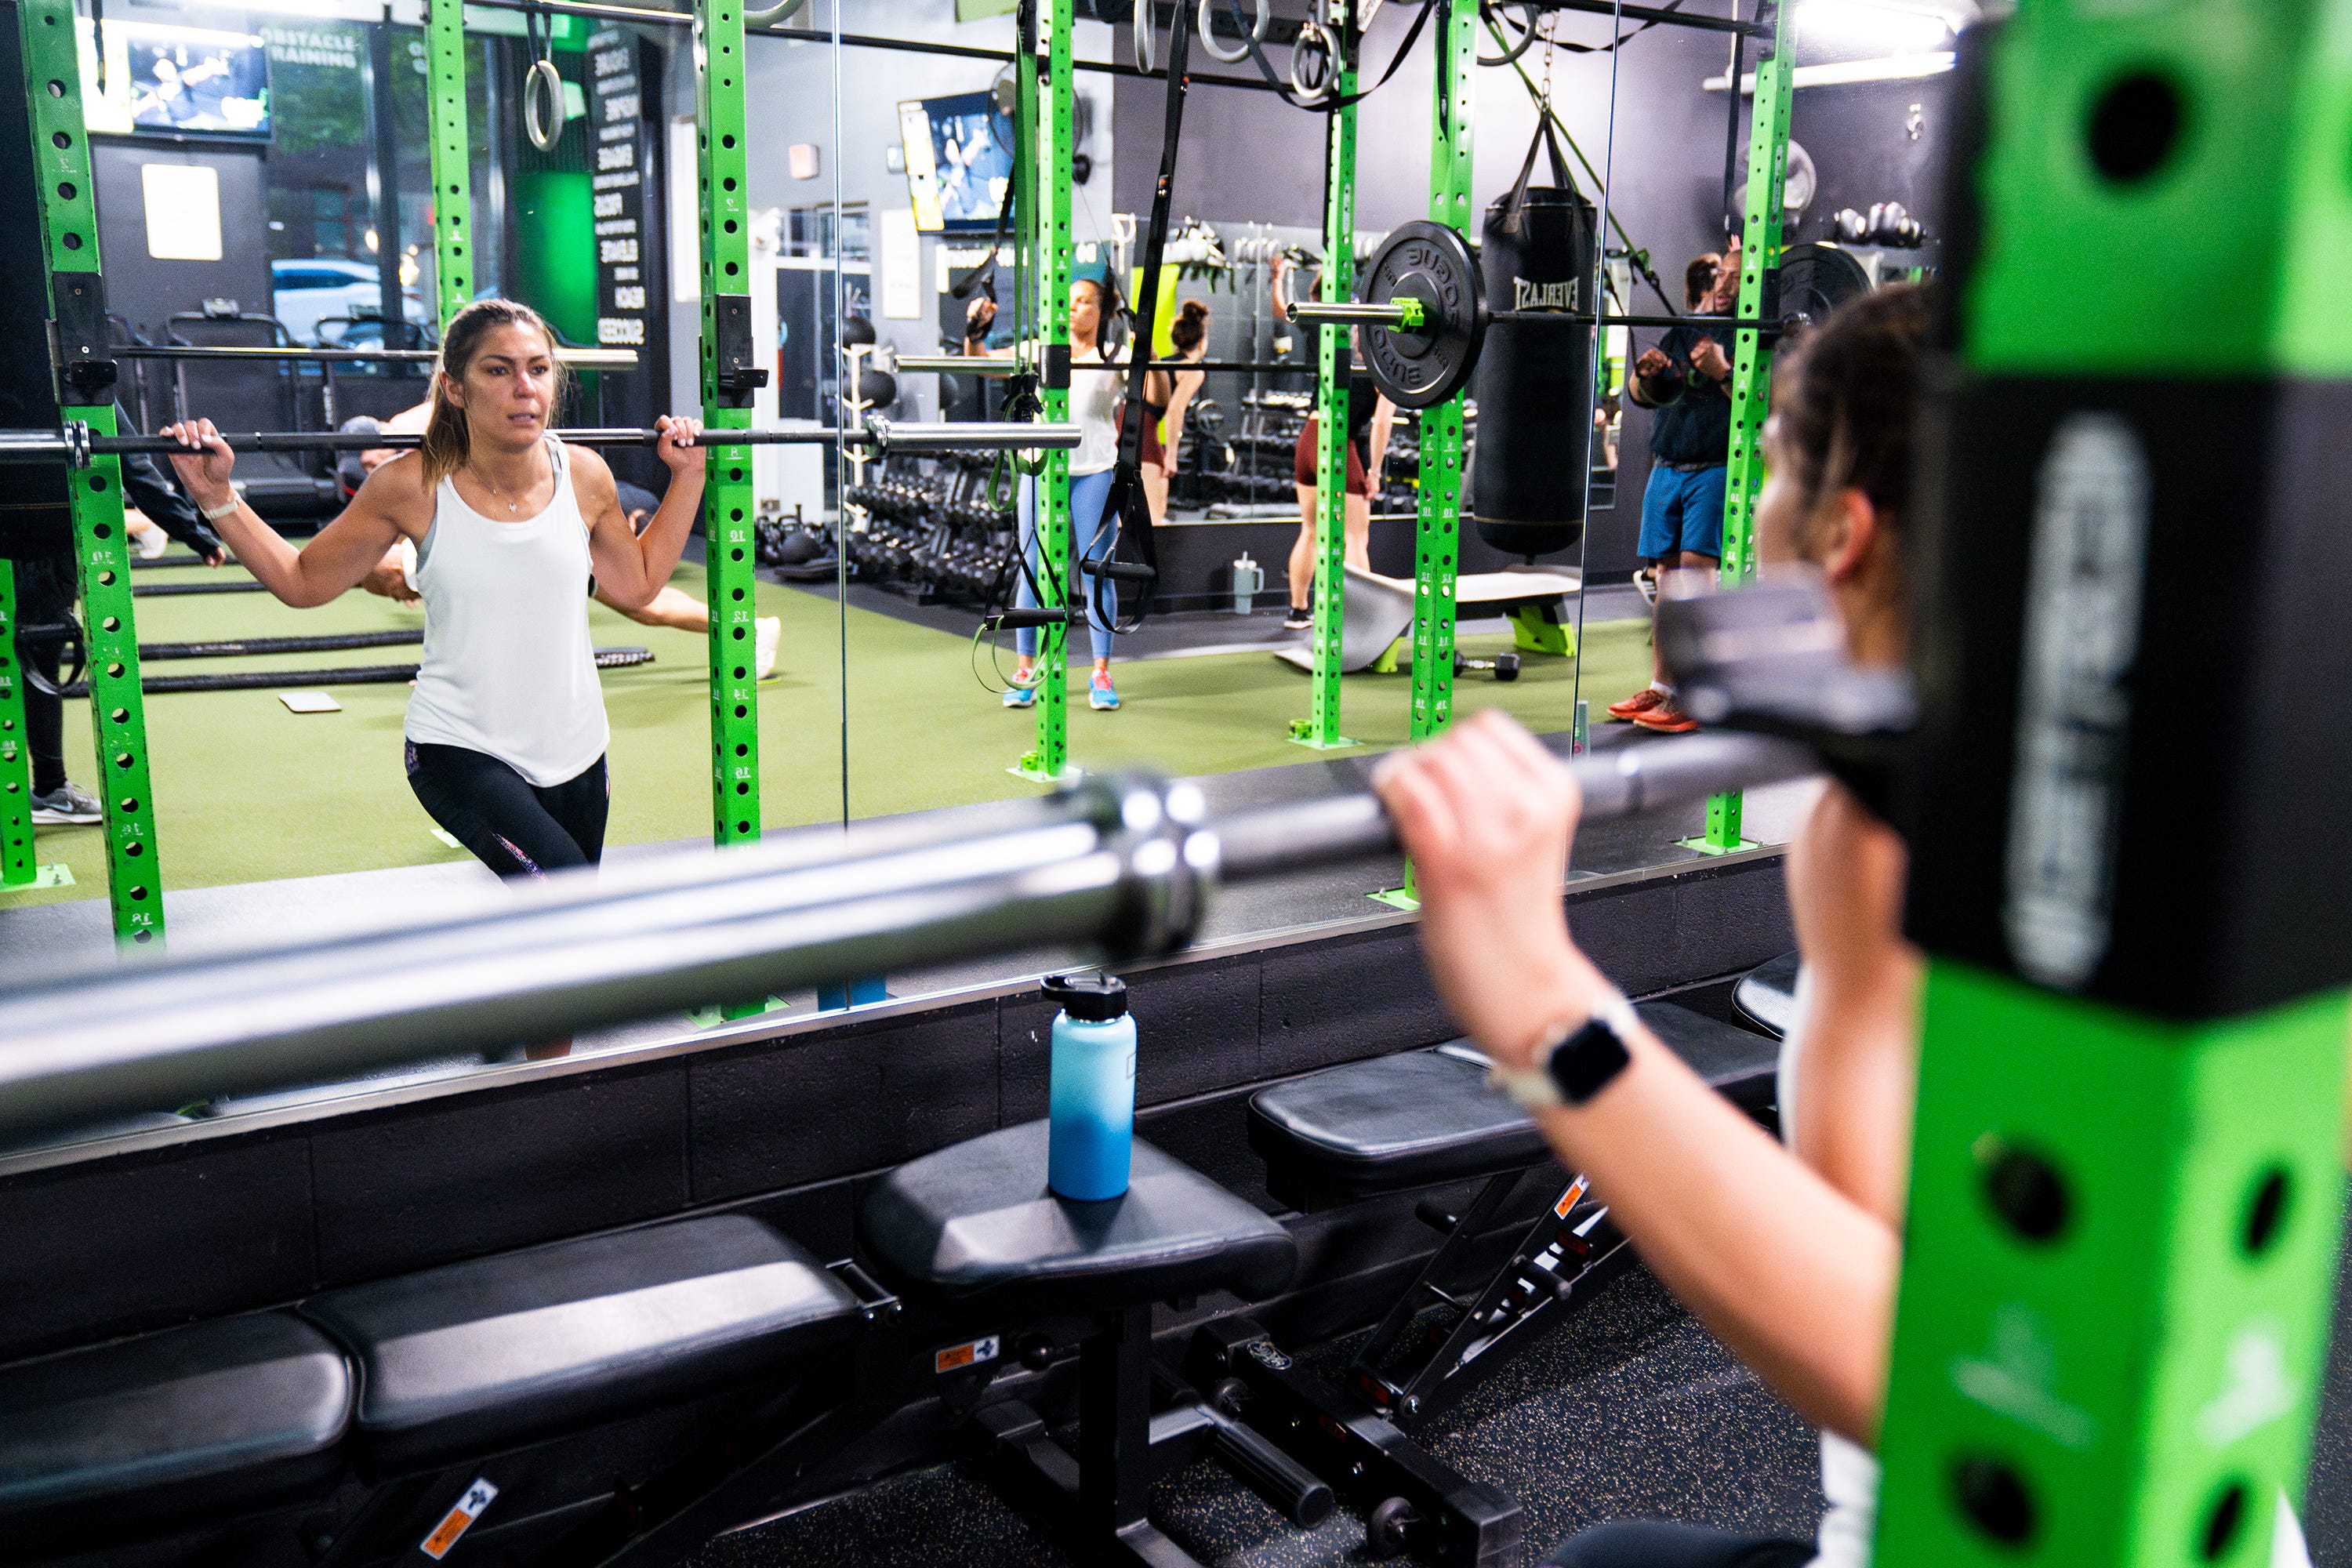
point(184, 222)
point(902, 266)
point(684, 218)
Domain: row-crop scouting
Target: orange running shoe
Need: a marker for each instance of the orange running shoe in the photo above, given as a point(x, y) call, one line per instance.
point(1641, 703)
point(1666, 718)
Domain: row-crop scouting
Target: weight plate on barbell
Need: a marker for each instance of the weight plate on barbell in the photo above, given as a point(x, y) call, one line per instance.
point(1420, 367)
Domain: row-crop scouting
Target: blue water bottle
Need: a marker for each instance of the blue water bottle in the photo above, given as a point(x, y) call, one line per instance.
point(1092, 1132)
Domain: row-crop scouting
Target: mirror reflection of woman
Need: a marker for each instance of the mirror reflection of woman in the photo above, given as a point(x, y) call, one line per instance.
point(506, 730)
point(1167, 394)
point(1098, 380)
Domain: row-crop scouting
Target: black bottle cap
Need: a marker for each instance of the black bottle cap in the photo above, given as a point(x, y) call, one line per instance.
point(1089, 998)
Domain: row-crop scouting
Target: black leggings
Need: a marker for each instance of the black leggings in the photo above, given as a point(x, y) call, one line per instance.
point(45, 596)
point(1653, 1543)
point(512, 826)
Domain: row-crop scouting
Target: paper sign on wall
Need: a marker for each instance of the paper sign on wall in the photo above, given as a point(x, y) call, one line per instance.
point(902, 266)
point(184, 222)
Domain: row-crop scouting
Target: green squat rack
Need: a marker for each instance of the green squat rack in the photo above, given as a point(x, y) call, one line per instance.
point(1043, 143)
point(1762, 238)
point(1334, 354)
point(1437, 533)
point(729, 379)
point(18, 869)
point(85, 394)
point(2128, 1158)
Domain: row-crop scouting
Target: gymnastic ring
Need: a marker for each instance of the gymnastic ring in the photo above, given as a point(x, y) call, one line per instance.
point(542, 136)
point(1209, 34)
point(1314, 36)
point(773, 14)
point(1146, 39)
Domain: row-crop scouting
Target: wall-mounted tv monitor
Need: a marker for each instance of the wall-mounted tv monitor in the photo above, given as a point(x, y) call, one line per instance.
point(959, 162)
point(165, 79)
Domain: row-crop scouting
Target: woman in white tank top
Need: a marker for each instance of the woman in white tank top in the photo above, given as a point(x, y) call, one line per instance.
point(506, 731)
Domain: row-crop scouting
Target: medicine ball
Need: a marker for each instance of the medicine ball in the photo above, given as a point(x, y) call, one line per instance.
point(856, 330)
point(1534, 381)
point(876, 389)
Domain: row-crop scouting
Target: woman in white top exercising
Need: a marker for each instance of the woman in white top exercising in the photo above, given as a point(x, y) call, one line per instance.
point(505, 729)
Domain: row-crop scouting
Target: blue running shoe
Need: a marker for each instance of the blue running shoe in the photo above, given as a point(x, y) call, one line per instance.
point(1019, 695)
point(1101, 695)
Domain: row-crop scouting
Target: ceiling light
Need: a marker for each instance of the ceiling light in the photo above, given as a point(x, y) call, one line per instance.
point(1883, 27)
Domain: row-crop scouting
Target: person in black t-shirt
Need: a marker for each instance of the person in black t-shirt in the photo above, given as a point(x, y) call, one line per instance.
point(1687, 379)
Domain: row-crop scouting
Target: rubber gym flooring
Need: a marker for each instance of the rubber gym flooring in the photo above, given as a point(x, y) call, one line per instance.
point(247, 791)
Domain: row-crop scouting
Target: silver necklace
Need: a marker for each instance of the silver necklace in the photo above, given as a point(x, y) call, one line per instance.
point(496, 494)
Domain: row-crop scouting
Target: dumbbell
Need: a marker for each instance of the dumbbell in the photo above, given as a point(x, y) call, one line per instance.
point(1506, 666)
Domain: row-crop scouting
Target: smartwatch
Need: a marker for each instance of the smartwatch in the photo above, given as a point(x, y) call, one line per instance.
point(1573, 1063)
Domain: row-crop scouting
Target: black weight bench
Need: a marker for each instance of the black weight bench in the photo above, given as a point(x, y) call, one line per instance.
point(423, 1386)
point(187, 1425)
point(1399, 1124)
point(1767, 995)
point(1021, 1276)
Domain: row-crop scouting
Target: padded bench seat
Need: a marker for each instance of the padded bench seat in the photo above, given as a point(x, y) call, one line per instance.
point(1421, 1119)
point(1767, 995)
point(973, 1226)
point(481, 1355)
point(196, 1420)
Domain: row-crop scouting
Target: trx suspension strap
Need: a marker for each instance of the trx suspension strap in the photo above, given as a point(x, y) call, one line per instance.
point(1127, 505)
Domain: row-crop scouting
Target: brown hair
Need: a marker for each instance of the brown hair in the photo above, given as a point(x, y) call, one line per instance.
point(1698, 277)
point(1190, 325)
point(1845, 397)
point(446, 441)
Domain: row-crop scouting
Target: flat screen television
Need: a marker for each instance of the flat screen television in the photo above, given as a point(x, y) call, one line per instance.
point(165, 79)
point(959, 162)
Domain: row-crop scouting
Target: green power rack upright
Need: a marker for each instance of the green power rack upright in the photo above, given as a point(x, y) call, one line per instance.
point(19, 866)
point(1437, 538)
point(1042, 144)
point(85, 378)
point(1333, 354)
point(2128, 1165)
point(1761, 244)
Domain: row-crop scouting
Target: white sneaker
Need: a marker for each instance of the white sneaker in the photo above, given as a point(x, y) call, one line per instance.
point(152, 541)
point(67, 803)
point(770, 631)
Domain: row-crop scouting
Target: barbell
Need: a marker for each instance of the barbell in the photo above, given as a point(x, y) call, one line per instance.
point(1421, 307)
point(1122, 865)
point(76, 444)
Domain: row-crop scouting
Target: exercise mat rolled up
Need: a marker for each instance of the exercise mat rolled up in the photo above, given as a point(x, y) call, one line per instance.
point(1534, 380)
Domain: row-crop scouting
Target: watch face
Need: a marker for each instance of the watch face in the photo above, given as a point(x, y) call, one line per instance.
point(1586, 1060)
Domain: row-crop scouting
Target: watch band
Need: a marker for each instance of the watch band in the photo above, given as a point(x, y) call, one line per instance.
point(215, 513)
point(1572, 1062)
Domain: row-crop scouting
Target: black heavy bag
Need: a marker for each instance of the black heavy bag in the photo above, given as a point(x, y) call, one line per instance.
point(1534, 380)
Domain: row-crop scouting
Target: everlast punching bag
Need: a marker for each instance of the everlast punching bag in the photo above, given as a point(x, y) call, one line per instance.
point(1534, 380)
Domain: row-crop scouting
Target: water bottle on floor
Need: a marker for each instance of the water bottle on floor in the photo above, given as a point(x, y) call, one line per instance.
point(1091, 1133)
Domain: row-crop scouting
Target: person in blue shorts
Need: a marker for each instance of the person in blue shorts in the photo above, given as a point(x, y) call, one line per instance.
point(1687, 379)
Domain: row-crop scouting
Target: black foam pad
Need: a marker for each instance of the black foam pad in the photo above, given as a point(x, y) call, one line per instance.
point(479, 1356)
point(975, 1227)
point(1421, 1118)
point(197, 1419)
point(1767, 994)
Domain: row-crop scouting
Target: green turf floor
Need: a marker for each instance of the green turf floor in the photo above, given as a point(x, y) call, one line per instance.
point(248, 791)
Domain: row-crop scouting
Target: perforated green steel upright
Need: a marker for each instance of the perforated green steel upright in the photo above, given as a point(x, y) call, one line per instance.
point(17, 866)
point(1042, 144)
point(1761, 242)
point(2128, 1169)
point(85, 396)
point(1334, 355)
point(730, 377)
point(444, 111)
point(1437, 537)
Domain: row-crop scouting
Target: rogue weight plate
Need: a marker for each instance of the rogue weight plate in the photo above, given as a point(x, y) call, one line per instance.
point(1815, 278)
point(1419, 367)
